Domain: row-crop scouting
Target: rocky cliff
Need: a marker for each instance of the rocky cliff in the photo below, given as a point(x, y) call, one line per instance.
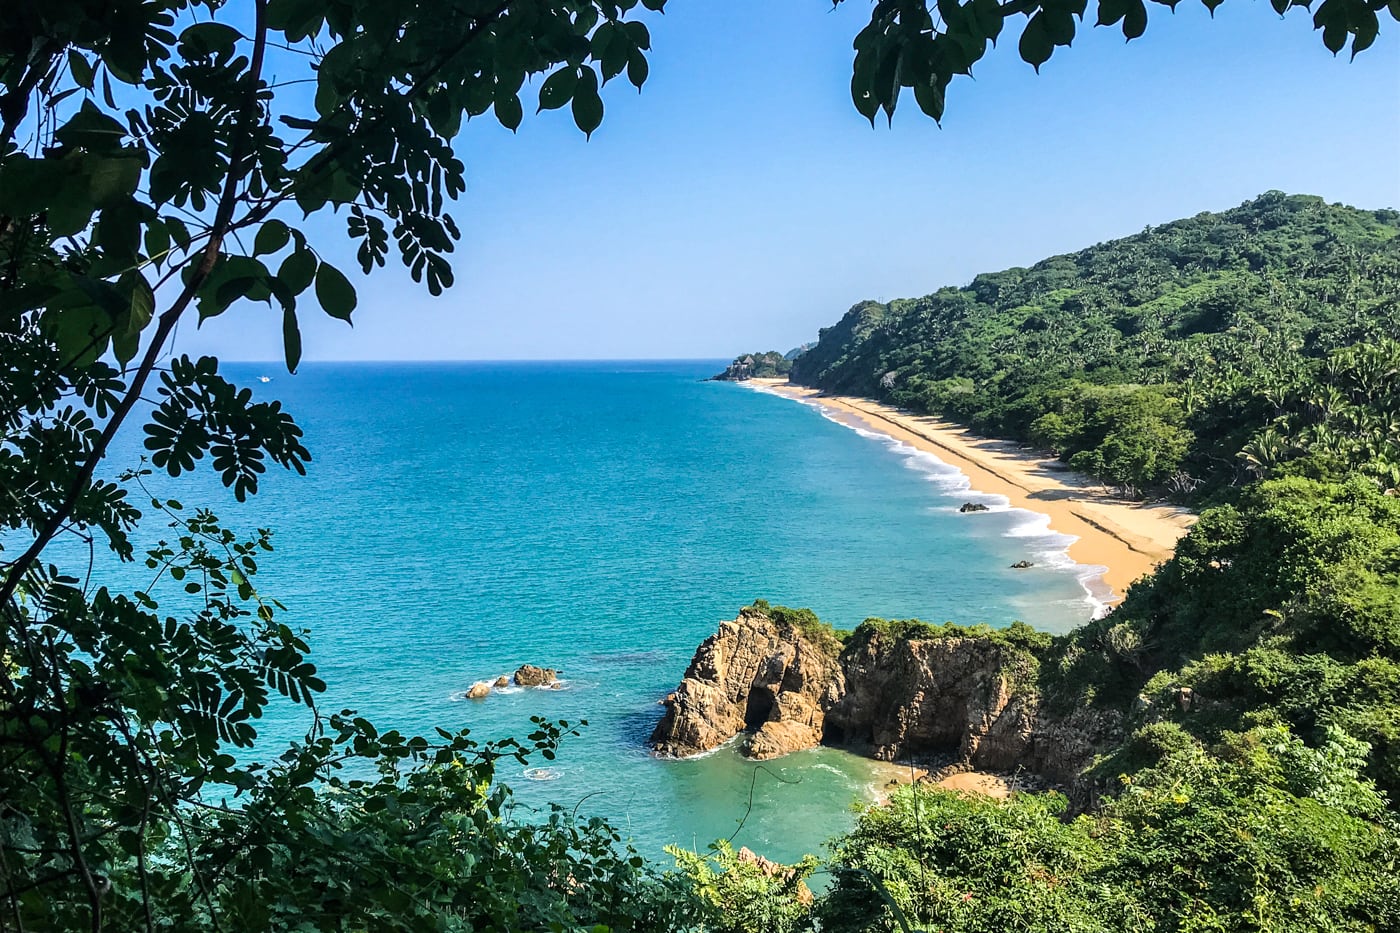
point(755, 674)
point(891, 692)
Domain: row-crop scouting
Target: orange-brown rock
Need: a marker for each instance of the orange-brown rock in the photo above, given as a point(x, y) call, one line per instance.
point(889, 696)
point(753, 674)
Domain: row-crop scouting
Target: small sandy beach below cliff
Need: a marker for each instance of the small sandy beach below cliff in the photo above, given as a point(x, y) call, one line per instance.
point(1127, 538)
point(978, 783)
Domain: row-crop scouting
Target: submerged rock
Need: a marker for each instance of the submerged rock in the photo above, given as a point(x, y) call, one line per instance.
point(478, 690)
point(1022, 565)
point(973, 507)
point(531, 676)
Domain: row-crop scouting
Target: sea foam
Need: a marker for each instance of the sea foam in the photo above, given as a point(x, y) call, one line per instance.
point(1049, 548)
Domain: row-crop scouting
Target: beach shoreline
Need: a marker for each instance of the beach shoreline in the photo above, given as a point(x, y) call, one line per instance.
point(1126, 539)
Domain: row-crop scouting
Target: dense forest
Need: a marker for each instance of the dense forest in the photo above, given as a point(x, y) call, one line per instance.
point(1195, 355)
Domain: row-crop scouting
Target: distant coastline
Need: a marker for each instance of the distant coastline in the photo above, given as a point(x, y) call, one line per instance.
point(1127, 539)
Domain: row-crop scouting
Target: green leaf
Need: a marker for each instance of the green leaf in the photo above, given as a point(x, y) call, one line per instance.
point(91, 129)
point(291, 339)
point(219, 39)
point(1365, 32)
point(1135, 19)
point(638, 69)
point(271, 237)
point(930, 99)
point(509, 111)
point(637, 32)
point(297, 18)
point(334, 292)
point(297, 270)
point(142, 305)
point(81, 69)
point(111, 179)
point(558, 88)
point(81, 331)
point(987, 18)
point(865, 102)
point(125, 347)
point(1111, 11)
point(588, 106)
point(1059, 25)
point(119, 231)
point(29, 186)
point(1035, 45)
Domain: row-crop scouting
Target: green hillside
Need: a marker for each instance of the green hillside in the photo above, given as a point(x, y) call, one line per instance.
point(1194, 355)
point(1241, 706)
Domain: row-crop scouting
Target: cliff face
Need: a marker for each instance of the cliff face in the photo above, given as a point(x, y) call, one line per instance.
point(753, 674)
point(897, 697)
point(884, 695)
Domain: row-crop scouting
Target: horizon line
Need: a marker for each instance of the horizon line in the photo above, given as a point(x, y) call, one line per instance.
point(522, 359)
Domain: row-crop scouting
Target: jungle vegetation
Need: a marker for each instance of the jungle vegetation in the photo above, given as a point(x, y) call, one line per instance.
point(768, 365)
point(1194, 356)
point(153, 171)
point(1244, 706)
point(1246, 696)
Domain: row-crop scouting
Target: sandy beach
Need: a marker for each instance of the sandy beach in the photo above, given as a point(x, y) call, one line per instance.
point(1125, 537)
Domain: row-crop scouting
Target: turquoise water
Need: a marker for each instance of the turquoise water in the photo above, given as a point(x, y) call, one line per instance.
point(461, 519)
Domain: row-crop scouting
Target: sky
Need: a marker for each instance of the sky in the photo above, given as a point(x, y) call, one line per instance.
point(740, 203)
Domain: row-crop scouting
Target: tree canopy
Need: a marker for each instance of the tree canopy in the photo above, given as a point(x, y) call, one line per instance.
point(924, 46)
point(1187, 358)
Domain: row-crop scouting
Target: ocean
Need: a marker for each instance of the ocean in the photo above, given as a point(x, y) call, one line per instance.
point(460, 519)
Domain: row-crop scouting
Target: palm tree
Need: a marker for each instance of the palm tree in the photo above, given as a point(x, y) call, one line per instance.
point(1266, 451)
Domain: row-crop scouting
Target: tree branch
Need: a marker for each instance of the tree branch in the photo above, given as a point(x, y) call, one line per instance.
point(238, 170)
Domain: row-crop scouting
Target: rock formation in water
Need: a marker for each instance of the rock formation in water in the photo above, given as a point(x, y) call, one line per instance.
point(531, 676)
point(973, 507)
point(479, 690)
point(754, 674)
point(889, 694)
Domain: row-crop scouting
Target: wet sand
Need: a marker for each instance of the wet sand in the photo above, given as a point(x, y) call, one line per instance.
point(1128, 539)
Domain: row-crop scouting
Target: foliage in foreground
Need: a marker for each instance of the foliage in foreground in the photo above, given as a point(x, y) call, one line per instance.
point(736, 894)
point(1198, 843)
point(154, 170)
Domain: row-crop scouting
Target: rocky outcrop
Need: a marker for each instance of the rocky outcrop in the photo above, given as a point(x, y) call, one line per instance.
point(479, 690)
point(769, 365)
point(973, 507)
point(754, 675)
point(899, 697)
point(888, 695)
point(531, 676)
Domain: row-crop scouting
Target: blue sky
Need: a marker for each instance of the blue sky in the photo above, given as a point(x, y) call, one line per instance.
point(740, 203)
